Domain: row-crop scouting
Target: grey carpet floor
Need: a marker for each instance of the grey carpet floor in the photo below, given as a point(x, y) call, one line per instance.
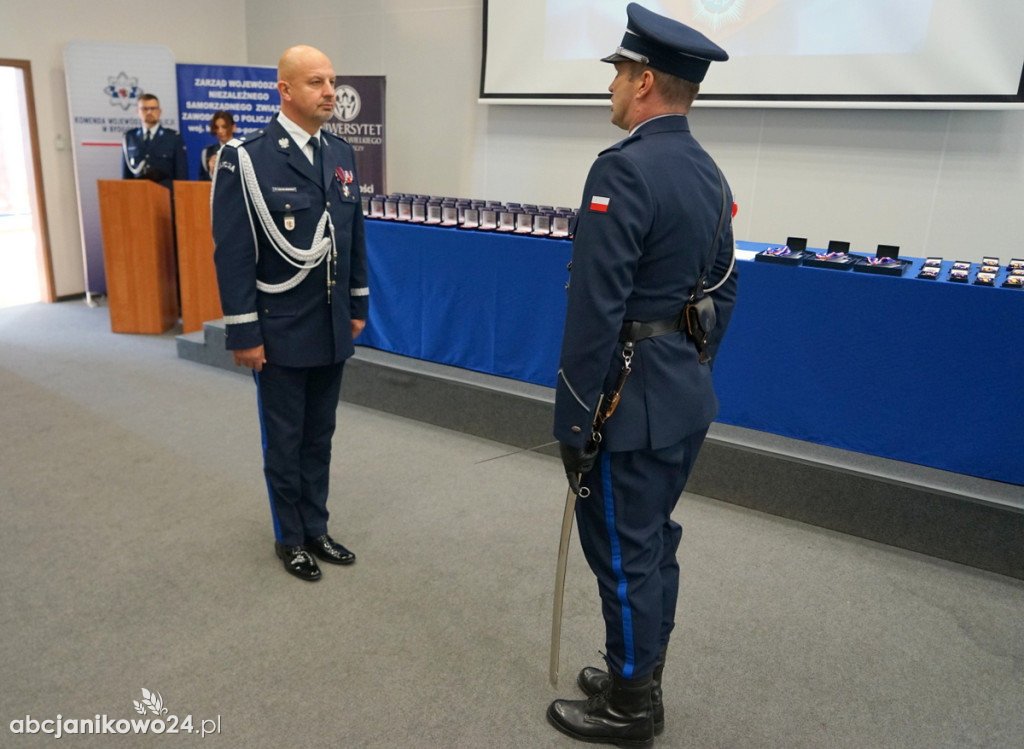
point(137, 553)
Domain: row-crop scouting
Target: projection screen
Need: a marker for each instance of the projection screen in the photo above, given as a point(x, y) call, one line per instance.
point(847, 52)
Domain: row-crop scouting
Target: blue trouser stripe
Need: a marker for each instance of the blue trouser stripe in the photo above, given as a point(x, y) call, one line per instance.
point(622, 589)
point(263, 443)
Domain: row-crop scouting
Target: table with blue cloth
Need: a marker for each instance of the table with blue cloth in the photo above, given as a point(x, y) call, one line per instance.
point(923, 371)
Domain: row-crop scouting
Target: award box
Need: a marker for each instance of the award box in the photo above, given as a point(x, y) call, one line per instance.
point(886, 262)
point(797, 251)
point(840, 260)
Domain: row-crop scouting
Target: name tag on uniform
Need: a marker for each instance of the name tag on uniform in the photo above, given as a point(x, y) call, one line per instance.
point(289, 222)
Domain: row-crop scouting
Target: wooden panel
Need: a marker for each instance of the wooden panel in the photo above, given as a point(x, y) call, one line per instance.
point(138, 256)
point(200, 299)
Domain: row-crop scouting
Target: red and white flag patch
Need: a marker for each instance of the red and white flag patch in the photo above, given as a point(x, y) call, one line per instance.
point(599, 204)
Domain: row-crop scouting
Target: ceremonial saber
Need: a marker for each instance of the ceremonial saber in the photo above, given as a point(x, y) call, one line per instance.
point(563, 560)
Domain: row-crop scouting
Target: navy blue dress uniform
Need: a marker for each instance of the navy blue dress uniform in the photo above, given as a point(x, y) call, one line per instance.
point(290, 255)
point(160, 158)
point(655, 218)
point(204, 162)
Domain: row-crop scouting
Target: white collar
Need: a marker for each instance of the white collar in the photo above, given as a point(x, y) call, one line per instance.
point(300, 136)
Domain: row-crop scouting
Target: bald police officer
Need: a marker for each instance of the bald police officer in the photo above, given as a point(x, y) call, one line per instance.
point(653, 230)
point(290, 253)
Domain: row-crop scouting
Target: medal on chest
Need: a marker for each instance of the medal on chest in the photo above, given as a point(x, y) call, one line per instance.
point(346, 178)
point(289, 222)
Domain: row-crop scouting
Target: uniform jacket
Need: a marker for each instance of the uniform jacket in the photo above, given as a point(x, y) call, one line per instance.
point(166, 156)
point(298, 327)
point(204, 158)
point(651, 206)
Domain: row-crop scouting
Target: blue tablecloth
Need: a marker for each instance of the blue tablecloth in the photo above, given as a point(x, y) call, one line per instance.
point(928, 372)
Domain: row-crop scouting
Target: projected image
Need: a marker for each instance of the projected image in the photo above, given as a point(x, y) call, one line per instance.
point(915, 51)
point(589, 29)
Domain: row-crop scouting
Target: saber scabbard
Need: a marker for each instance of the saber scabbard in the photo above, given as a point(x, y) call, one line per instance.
point(606, 405)
point(556, 608)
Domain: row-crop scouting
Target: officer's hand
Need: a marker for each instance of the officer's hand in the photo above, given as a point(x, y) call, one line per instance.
point(252, 358)
point(357, 327)
point(577, 463)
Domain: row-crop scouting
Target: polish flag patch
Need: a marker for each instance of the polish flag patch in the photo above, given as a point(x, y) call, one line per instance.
point(599, 204)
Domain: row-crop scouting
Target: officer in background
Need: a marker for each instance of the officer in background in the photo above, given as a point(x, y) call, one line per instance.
point(654, 227)
point(153, 151)
point(222, 127)
point(290, 255)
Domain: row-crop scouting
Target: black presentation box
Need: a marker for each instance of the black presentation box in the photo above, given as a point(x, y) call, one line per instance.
point(797, 252)
point(896, 268)
point(885, 263)
point(840, 260)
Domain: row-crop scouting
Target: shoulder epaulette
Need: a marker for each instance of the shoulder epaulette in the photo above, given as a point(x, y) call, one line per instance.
point(245, 139)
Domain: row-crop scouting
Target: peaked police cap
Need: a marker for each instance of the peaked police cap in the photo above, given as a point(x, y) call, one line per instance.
point(666, 45)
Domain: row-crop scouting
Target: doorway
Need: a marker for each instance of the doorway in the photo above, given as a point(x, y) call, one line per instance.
point(26, 273)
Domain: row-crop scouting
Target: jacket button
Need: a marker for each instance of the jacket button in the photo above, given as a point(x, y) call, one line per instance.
point(577, 429)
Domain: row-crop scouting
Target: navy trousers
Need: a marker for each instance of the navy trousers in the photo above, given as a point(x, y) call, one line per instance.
point(298, 411)
point(630, 542)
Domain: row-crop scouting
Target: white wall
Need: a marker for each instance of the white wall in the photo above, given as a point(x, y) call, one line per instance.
point(197, 31)
point(933, 182)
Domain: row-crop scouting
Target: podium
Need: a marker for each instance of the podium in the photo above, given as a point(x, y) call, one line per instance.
point(200, 299)
point(138, 255)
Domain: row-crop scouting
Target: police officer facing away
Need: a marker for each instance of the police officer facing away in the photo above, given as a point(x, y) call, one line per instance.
point(654, 228)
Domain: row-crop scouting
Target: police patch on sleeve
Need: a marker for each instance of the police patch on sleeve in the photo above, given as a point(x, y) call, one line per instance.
point(599, 203)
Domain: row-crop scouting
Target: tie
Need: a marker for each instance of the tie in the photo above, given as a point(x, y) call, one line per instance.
point(148, 137)
point(314, 143)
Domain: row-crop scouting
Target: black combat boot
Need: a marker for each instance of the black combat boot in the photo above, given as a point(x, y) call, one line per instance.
point(620, 715)
point(594, 681)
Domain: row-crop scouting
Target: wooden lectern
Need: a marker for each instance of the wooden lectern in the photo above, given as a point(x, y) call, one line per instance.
point(138, 255)
point(200, 299)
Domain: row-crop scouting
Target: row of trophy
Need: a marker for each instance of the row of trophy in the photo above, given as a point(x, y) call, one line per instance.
point(478, 215)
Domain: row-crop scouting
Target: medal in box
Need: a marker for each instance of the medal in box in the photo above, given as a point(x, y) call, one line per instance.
point(837, 257)
point(886, 262)
point(931, 268)
point(791, 253)
point(960, 272)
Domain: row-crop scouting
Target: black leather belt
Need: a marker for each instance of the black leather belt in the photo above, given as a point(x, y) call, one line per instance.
point(637, 331)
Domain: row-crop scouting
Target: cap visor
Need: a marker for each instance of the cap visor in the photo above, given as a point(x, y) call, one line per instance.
point(615, 57)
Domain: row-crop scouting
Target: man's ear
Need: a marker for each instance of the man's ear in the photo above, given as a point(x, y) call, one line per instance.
point(646, 83)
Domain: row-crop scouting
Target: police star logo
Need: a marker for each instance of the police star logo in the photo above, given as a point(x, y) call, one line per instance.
point(123, 90)
point(717, 13)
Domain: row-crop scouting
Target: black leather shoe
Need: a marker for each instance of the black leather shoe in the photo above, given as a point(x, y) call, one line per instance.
point(594, 681)
point(326, 548)
point(298, 562)
point(620, 715)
